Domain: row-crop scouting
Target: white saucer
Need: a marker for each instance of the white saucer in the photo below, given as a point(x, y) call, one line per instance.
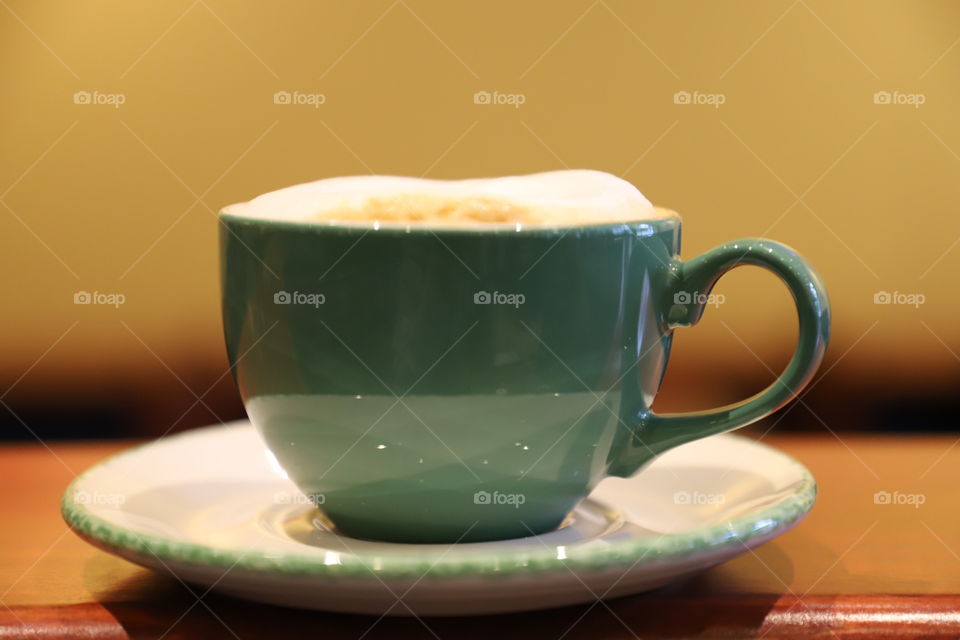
point(211, 506)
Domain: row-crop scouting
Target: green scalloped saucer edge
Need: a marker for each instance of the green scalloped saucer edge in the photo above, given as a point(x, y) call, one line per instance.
point(737, 533)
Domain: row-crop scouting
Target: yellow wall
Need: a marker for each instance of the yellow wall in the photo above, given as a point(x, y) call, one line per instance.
point(103, 198)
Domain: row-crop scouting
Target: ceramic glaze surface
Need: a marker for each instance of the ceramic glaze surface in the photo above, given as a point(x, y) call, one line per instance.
point(482, 381)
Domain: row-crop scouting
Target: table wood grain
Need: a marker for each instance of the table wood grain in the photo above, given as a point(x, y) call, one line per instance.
point(853, 568)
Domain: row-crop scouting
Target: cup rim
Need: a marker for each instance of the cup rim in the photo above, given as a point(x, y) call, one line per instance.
point(629, 226)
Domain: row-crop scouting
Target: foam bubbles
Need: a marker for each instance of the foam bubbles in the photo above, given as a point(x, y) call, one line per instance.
point(553, 198)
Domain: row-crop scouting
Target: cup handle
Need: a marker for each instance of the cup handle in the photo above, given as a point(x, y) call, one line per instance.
point(690, 283)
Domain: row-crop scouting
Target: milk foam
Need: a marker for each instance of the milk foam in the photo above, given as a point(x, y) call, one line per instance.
point(553, 198)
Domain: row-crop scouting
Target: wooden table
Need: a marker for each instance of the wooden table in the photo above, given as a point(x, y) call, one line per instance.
point(854, 568)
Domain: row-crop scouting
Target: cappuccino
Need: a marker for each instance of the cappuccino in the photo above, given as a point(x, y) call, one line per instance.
point(551, 199)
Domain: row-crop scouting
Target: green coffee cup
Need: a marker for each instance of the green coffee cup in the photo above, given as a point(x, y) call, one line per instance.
point(433, 384)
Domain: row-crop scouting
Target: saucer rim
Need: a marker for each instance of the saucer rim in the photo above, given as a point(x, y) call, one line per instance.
point(737, 533)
